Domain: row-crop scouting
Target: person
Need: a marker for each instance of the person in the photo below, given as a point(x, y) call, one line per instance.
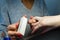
point(12, 10)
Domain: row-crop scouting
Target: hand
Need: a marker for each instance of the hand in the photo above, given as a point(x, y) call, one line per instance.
point(41, 21)
point(12, 30)
point(35, 23)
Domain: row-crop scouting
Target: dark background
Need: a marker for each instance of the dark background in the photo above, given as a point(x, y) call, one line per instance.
point(53, 6)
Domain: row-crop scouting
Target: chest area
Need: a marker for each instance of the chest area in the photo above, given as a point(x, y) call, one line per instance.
point(17, 10)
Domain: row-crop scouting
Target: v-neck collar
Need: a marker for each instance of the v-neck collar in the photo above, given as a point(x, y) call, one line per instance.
point(27, 8)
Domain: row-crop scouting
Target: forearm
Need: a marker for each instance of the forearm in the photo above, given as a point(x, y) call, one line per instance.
point(52, 20)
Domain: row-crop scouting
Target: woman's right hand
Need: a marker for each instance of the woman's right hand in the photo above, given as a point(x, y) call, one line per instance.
point(12, 30)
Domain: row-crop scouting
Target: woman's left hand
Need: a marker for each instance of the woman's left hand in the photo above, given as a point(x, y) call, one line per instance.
point(37, 22)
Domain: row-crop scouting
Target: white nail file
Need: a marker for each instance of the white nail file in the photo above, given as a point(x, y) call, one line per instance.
point(22, 25)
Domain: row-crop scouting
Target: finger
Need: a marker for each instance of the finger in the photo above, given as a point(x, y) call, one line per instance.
point(31, 21)
point(34, 24)
point(37, 18)
point(34, 19)
point(11, 27)
point(12, 33)
point(36, 28)
point(17, 24)
point(31, 17)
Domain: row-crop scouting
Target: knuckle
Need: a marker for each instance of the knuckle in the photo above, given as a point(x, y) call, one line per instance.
point(9, 26)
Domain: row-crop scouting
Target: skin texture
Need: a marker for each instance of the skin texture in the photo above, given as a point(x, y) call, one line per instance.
point(44, 21)
point(28, 3)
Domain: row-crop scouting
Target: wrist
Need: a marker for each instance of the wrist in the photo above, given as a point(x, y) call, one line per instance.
point(51, 20)
point(48, 21)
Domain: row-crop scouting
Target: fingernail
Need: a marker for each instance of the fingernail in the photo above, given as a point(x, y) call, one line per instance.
point(20, 35)
point(31, 17)
point(16, 26)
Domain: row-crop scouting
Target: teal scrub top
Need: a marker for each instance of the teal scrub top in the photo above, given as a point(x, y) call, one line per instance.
point(13, 10)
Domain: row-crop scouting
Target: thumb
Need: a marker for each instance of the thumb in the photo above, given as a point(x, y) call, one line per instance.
point(37, 18)
point(17, 24)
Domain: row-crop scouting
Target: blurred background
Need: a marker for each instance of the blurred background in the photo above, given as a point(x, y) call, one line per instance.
point(53, 6)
